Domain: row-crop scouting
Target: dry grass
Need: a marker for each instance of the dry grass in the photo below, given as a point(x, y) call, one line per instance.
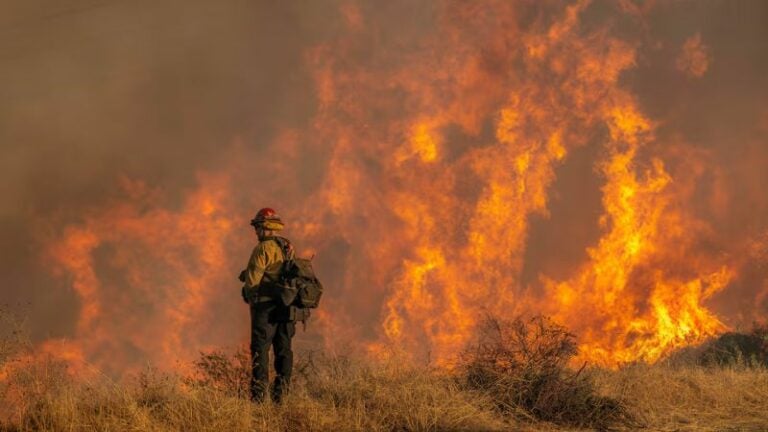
point(346, 394)
point(331, 394)
point(692, 398)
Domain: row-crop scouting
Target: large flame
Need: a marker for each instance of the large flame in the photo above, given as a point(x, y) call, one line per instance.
point(432, 154)
point(163, 272)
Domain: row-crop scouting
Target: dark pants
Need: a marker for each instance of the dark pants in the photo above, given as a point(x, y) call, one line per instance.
point(265, 331)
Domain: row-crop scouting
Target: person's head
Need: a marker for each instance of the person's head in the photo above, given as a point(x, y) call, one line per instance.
point(266, 223)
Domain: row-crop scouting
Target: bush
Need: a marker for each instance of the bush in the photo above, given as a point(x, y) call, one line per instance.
point(737, 349)
point(224, 372)
point(522, 365)
point(731, 349)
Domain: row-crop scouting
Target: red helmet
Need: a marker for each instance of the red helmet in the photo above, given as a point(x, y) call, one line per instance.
point(264, 215)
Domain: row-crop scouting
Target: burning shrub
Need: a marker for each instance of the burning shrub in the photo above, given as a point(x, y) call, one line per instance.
point(522, 365)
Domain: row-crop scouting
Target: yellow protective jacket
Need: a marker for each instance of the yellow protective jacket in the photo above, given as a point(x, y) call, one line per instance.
point(263, 267)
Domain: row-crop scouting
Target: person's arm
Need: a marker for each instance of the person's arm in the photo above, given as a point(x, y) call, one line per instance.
point(257, 264)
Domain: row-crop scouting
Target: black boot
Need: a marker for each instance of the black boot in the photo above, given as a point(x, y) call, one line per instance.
point(280, 388)
point(258, 391)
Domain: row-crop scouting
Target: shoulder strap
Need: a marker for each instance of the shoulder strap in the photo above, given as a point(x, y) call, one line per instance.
point(285, 246)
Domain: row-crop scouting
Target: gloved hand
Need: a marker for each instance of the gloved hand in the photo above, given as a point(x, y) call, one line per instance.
point(242, 276)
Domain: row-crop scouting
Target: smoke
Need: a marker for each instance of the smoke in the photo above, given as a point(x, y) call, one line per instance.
point(441, 160)
point(154, 91)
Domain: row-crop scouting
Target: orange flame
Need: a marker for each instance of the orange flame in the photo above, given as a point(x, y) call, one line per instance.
point(162, 259)
point(436, 161)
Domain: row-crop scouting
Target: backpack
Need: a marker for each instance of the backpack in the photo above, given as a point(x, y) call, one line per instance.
point(301, 288)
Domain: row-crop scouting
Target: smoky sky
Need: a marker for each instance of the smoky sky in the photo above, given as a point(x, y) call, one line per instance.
point(95, 91)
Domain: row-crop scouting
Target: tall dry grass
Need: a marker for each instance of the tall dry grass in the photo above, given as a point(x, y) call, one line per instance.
point(691, 398)
point(329, 394)
point(336, 393)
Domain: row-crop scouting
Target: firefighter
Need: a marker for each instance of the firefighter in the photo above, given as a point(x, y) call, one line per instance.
point(268, 324)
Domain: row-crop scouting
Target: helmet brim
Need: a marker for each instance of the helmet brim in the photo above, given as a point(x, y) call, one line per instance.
point(272, 225)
